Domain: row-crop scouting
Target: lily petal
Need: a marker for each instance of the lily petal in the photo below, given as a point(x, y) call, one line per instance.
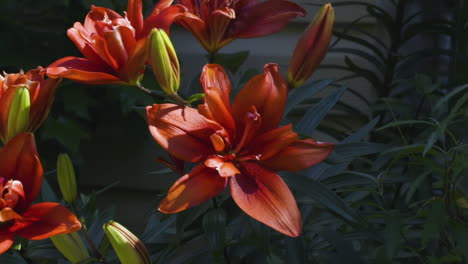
point(270, 143)
point(46, 220)
point(19, 161)
point(7, 214)
point(135, 14)
point(198, 27)
point(268, 93)
point(263, 195)
point(81, 70)
point(182, 131)
point(41, 106)
point(299, 155)
point(162, 19)
point(6, 239)
point(135, 65)
point(264, 18)
point(81, 38)
point(194, 188)
point(213, 75)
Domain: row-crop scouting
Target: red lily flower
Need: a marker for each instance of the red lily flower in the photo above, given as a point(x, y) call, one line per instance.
point(114, 46)
point(20, 183)
point(215, 23)
point(41, 93)
point(239, 145)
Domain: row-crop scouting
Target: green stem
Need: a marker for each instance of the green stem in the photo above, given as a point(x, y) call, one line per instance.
point(211, 57)
point(179, 99)
point(85, 232)
point(151, 93)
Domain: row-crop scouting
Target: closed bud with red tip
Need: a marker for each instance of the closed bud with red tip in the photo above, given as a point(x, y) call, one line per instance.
point(311, 47)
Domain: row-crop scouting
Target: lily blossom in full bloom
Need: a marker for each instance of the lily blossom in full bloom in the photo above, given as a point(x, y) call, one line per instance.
point(41, 93)
point(215, 23)
point(114, 46)
point(20, 182)
point(239, 145)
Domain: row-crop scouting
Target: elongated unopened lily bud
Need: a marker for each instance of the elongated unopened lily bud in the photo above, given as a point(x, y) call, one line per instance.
point(127, 246)
point(66, 178)
point(18, 116)
point(311, 47)
point(164, 62)
point(71, 246)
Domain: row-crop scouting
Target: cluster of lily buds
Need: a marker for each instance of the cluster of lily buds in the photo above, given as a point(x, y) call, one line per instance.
point(127, 246)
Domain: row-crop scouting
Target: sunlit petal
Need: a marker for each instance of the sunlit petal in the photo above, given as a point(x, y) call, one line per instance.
point(300, 155)
point(192, 189)
point(263, 195)
point(46, 220)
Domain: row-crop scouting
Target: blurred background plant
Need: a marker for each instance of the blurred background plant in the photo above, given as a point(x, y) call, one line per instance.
point(394, 190)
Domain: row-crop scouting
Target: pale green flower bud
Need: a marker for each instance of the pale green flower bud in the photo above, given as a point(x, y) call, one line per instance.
point(127, 246)
point(18, 116)
point(164, 62)
point(66, 178)
point(71, 246)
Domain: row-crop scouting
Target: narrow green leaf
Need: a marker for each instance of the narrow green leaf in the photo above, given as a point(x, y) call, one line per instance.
point(305, 91)
point(404, 122)
point(392, 233)
point(447, 97)
point(319, 193)
point(314, 116)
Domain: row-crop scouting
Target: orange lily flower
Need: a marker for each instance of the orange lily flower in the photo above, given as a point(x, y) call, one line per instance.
point(311, 47)
point(239, 145)
point(20, 183)
point(114, 46)
point(215, 23)
point(41, 93)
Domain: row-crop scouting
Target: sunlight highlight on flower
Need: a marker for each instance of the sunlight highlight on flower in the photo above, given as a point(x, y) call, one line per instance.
point(239, 145)
point(20, 184)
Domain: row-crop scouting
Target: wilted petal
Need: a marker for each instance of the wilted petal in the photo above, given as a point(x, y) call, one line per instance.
point(263, 195)
point(194, 188)
point(46, 220)
point(6, 239)
point(82, 70)
point(19, 161)
point(182, 131)
point(268, 93)
point(264, 18)
point(300, 155)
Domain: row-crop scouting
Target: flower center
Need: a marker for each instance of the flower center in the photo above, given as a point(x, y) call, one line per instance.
point(10, 193)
